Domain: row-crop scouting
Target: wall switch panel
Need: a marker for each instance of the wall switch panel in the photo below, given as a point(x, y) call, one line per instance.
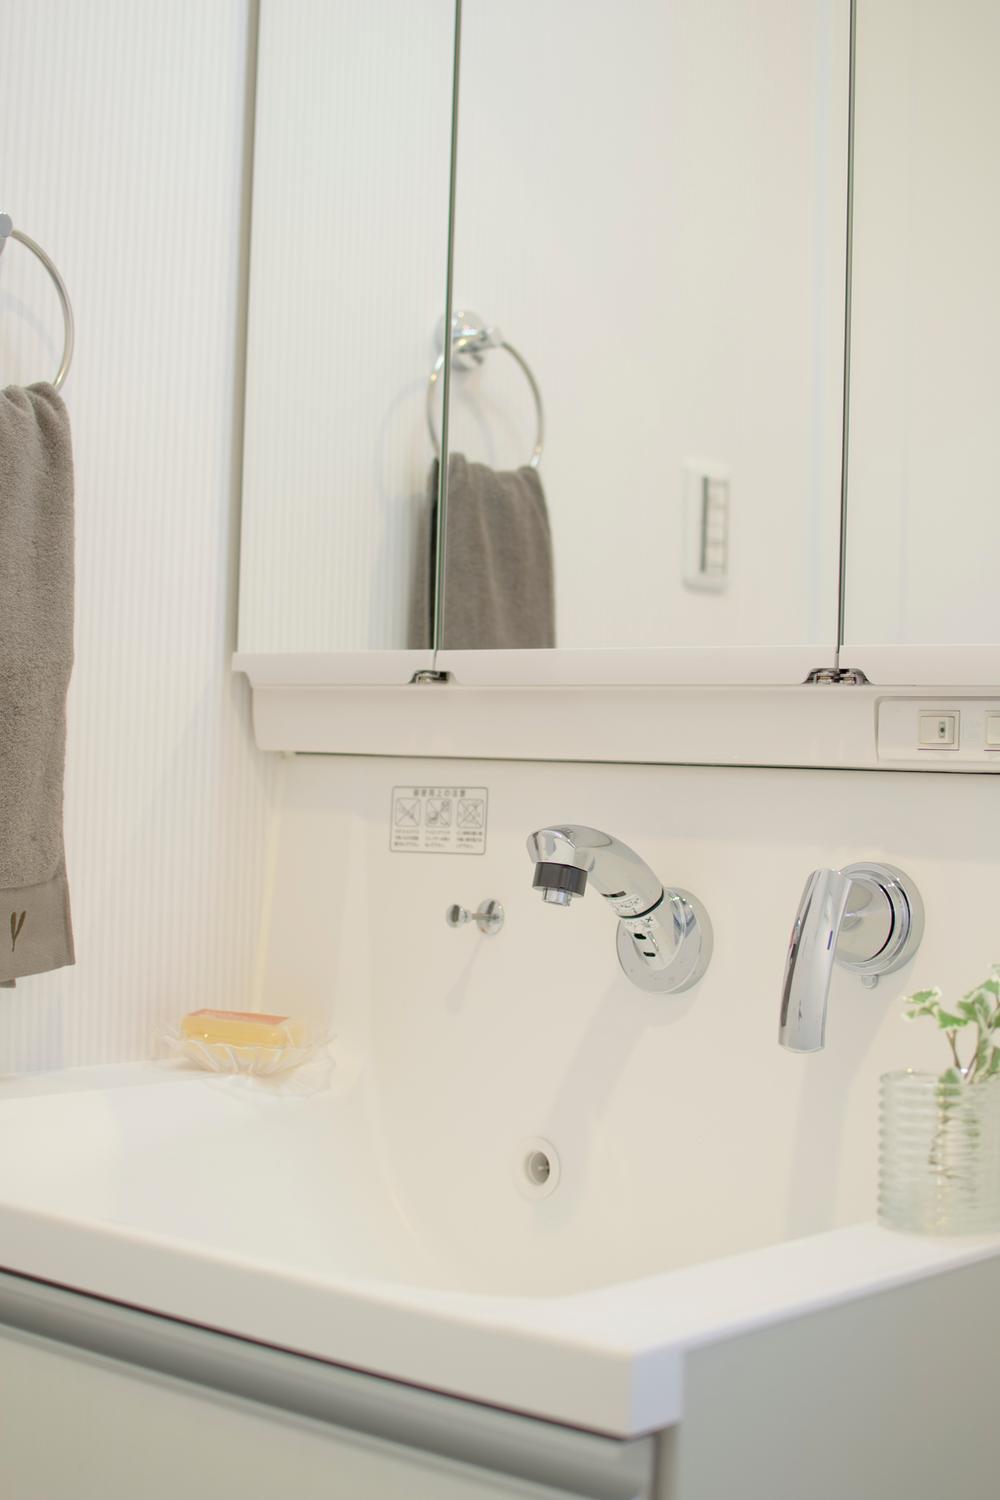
point(706, 526)
point(938, 731)
point(949, 733)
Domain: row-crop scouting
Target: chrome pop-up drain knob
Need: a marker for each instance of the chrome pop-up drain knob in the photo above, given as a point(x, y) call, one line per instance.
point(488, 917)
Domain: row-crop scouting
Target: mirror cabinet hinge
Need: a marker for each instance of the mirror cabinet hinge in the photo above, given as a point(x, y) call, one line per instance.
point(838, 676)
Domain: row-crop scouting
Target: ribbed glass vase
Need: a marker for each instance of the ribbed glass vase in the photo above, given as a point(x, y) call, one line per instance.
point(939, 1154)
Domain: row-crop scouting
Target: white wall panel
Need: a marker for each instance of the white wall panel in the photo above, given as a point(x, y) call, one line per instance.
point(472, 1045)
point(123, 140)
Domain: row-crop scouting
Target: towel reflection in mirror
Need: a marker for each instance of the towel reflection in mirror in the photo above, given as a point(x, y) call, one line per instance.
point(498, 578)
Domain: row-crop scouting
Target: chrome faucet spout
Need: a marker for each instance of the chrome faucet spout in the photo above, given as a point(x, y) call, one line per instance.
point(624, 880)
point(812, 953)
point(664, 936)
point(866, 918)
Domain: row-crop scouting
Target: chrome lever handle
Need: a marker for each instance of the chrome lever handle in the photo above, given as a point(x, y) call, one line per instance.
point(868, 918)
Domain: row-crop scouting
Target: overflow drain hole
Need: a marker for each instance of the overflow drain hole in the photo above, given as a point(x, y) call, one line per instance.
point(537, 1168)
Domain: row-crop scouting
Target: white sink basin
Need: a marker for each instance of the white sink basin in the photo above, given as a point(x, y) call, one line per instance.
point(309, 1223)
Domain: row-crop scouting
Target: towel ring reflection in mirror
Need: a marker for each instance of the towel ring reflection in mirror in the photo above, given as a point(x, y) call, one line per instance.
point(7, 231)
point(470, 340)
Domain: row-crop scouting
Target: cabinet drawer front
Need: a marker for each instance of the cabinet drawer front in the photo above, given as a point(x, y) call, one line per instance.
point(128, 1391)
point(74, 1424)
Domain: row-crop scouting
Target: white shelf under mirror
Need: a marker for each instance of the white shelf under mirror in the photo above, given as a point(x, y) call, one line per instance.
point(817, 725)
point(331, 670)
point(752, 666)
point(953, 666)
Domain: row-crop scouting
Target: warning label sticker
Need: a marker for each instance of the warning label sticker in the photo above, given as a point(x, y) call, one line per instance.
point(438, 820)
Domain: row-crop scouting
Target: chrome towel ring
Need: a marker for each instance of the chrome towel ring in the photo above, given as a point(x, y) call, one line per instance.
point(470, 340)
point(7, 231)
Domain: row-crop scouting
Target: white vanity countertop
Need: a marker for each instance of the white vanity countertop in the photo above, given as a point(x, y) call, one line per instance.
point(111, 1183)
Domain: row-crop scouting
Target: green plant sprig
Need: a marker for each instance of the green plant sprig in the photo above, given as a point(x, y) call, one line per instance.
point(980, 1009)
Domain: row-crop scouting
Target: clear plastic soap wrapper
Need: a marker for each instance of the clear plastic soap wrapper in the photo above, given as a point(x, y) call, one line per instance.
point(246, 1043)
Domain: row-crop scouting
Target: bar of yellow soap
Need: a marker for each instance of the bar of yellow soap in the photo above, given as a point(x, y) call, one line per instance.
point(242, 1028)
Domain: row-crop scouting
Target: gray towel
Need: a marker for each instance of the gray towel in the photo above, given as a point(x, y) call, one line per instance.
point(499, 591)
point(36, 657)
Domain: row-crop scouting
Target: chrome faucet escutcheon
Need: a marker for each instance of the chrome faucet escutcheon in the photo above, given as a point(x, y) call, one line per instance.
point(866, 918)
point(664, 935)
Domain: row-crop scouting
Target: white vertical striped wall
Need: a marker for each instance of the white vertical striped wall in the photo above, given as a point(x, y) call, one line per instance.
point(123, 150)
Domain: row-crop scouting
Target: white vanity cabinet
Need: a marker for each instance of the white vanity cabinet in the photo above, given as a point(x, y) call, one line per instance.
point(890, 1394)
point(100, 1400)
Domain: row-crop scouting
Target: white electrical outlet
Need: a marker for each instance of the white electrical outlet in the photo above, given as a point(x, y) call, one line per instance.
point(706, 526)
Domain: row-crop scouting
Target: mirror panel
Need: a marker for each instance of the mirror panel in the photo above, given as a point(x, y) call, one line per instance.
point(347, 278)
point(923, 515)
point(650, 207)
